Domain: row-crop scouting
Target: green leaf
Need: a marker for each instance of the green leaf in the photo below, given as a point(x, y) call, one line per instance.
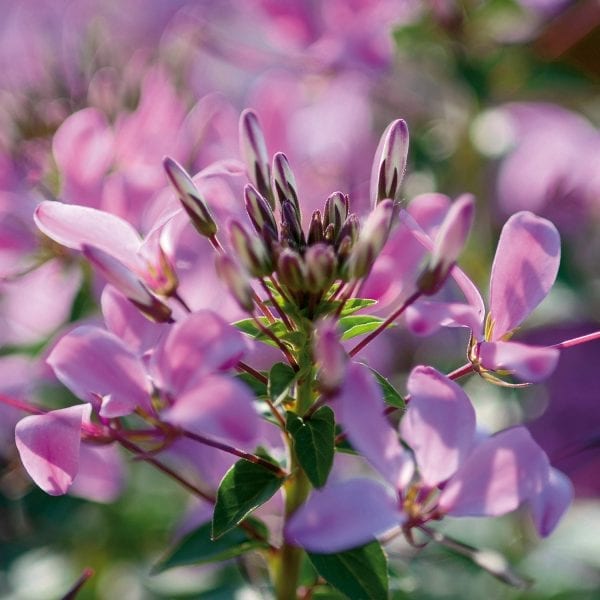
point(360, 573)
point(390, 395)
point(355, 304)
point(281, 377)
point(198, 548)
point(354, 325)
point(244, 488)
point(258, 387)
point(351, 306)
point(314, 442)
point(249, 327)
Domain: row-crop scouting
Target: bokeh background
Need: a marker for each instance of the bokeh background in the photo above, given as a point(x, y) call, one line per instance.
point(502, 99)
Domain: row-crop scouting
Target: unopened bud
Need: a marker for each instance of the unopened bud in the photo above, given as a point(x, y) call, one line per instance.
point(291, 270)
point(254, 152)
point(350, 228)
point(260, 212)
point(330, 356)
point(315, 229)
point(190, 197)
point(371, 240)
point(390, 162)
point(329, 233)
point(284, 182)
point(321, 264)
point(128, 283)
point(336, 210)
point(291, 230)
point(449, 242)
point(250, 250)
point(236, 280)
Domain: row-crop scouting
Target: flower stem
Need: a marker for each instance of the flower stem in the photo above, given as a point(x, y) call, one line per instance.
point(410, 300)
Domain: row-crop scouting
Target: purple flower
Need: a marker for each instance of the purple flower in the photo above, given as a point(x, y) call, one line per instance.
point(458, 474)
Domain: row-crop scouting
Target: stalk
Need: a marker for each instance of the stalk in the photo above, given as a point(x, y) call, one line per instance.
point(286, 565)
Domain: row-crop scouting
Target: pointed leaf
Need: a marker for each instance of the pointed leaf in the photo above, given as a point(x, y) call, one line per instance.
point(314, 442)
point(198, 548)
point(354, 325)
point(390, 395)
point(359, 573)
point(245, 487)
point(281, 377)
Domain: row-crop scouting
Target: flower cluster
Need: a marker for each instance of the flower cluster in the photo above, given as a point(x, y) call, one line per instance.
point(193, 389)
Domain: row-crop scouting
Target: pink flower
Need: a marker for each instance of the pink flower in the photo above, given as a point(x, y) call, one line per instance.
point(524, 270)
point(458, 474)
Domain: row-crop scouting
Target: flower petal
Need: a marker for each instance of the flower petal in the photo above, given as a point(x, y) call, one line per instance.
point(439, 424)
point(48, 445)
point(343, 515)
point(101, 475)
point(529, 363)
point(501, 472)
point(426, 317)
point(524, 269)
point(91, 361)
point(75, 226)
point(550, 504)
point(217, 406)
point(359, 407)
point(199, 344)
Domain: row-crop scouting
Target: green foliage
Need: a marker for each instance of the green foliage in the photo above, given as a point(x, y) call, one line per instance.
point(314, 443)
point(197, 547)
point(281, 378)
point(390, 395)
point(354, 325)
point(360, 573)
point(244, 488)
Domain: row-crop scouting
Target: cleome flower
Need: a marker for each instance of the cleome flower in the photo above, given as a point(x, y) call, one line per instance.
point(451, 471)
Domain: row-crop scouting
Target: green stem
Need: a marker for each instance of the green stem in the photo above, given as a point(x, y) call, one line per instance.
point(287, 564)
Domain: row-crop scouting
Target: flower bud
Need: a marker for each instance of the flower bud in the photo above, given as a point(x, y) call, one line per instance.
point(330, 356)
point(291, 270)
point(336, 211)
point(388, 169)
point(321, 264)
point(236, 281)
point(449, 242)
point(260, 212)
point(250, 250)
point(254, 152)
point(315, 229)
point(350, 228)
point(118, 275)
point(162, 278)
point(371, 240)
point(284, 182)
point(191, 199)
point(291, 230)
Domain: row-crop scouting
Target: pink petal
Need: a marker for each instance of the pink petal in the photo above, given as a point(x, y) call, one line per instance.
point(426, 317)
point(466, 286)
point(343, 515)
point(199, 344)
point(48, 445)
point(359, 407)
point(549, 505)
point(75, 226)
point(524, 270)
point(501, 472)
point(439, 424)
point(91, 361)
point(528, 363)
point(83, 147)
point(101, 476)
point(124, 320)
point(219, 407)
